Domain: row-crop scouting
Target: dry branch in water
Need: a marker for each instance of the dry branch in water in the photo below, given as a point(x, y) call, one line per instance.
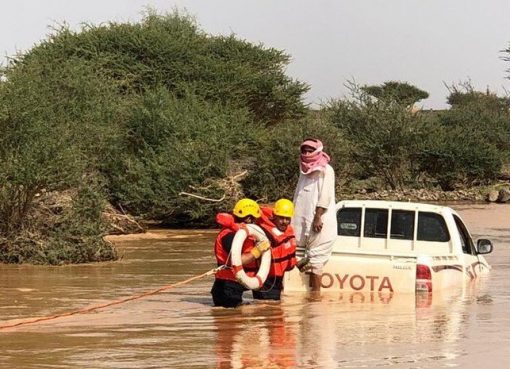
point(229, 185)
point(202, 197)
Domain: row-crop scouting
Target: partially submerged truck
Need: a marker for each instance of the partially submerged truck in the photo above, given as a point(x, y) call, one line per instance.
point(390, 247)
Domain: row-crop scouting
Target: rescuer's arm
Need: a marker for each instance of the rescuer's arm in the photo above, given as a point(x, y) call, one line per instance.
point(249, 256)
point(256, 252)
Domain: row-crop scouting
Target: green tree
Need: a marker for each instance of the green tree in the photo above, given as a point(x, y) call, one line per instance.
point(175, 152)
point(159, 114)
point(171, 51)
point(274, 170)
point(400, 92)
point(469, 142)
point(458, 158)
point(382, 136)
point(49, 118)
point(464, 94)
point(483, 114)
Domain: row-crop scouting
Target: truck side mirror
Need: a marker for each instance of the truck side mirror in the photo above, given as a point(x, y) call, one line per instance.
point(484, 246)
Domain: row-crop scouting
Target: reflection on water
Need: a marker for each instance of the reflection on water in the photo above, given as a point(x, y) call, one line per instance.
point(462, 328)
point(257, 336)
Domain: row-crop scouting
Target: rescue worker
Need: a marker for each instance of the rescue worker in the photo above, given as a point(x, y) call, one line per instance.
point(276, 224)
point(226, 291)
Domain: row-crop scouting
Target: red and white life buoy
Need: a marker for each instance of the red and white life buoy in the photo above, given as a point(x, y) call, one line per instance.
point(256, 282)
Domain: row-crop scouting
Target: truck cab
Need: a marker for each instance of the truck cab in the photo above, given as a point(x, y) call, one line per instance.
point(390, 246)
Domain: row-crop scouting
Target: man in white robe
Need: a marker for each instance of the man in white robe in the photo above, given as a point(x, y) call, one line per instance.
point(314, 220)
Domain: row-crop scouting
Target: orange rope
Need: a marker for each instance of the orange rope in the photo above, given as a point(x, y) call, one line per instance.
point(115, 302)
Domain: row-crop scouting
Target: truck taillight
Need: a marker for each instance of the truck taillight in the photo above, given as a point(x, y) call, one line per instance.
point(423, 278)
point(423, 272)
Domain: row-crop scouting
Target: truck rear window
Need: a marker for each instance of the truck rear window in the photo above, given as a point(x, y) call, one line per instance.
point(376, 223)
point(402, 225)
point(349, 222)
point(432, 227)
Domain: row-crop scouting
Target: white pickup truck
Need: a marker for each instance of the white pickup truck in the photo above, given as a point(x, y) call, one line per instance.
point(402, 247)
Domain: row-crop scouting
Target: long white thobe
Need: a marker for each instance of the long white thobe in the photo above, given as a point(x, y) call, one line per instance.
point(313, 190)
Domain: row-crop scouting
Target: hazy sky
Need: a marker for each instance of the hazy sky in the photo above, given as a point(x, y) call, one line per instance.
point(424, 42)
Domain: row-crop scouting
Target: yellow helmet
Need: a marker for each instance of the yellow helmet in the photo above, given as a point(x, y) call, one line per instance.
point(245, 207)
point(284, 208)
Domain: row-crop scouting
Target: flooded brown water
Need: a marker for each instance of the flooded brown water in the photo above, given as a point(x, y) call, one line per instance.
point(463, 328)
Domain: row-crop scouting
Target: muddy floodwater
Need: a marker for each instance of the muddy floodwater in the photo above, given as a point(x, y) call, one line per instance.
point(179, 328)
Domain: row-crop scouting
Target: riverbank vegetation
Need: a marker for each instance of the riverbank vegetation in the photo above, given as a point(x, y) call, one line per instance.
point(164, 122)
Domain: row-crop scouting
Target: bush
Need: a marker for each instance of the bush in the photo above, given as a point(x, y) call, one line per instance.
point(399, 92)
point(274, 172)
point(486, 115)
point(382, 136)
point(468, 143)
point(455, 157)
point(171, 146)
point(55, 121)
point(460, 147)
point(171, 51)
point(159, 110)
point(61, 228)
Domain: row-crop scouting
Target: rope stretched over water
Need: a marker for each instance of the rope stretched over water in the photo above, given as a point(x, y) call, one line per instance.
point(108, 304)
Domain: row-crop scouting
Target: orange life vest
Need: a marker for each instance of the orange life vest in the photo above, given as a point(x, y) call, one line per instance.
point(283, 245)
point(223, 256)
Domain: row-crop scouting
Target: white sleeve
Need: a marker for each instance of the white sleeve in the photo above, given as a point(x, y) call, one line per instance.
point(327, 188)
point(296, 190)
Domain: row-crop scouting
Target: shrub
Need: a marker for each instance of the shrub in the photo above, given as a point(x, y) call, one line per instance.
point(382, 136)
point(52, 119)
point(399, 92)
point(484, 114)
point(171, 51)
point(56, 120)
point(171, 146)
point(61, 228)
point(159, 110)
point(456, 157)
point(275, 169)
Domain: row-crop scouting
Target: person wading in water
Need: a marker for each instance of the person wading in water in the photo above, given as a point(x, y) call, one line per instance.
point(314, 219)
point(226, 290)
point(276, 224)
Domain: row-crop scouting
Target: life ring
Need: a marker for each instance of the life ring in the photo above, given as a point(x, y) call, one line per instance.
point(256, 282)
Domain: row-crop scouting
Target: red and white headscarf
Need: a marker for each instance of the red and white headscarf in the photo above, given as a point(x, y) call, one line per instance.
point(316, 160)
